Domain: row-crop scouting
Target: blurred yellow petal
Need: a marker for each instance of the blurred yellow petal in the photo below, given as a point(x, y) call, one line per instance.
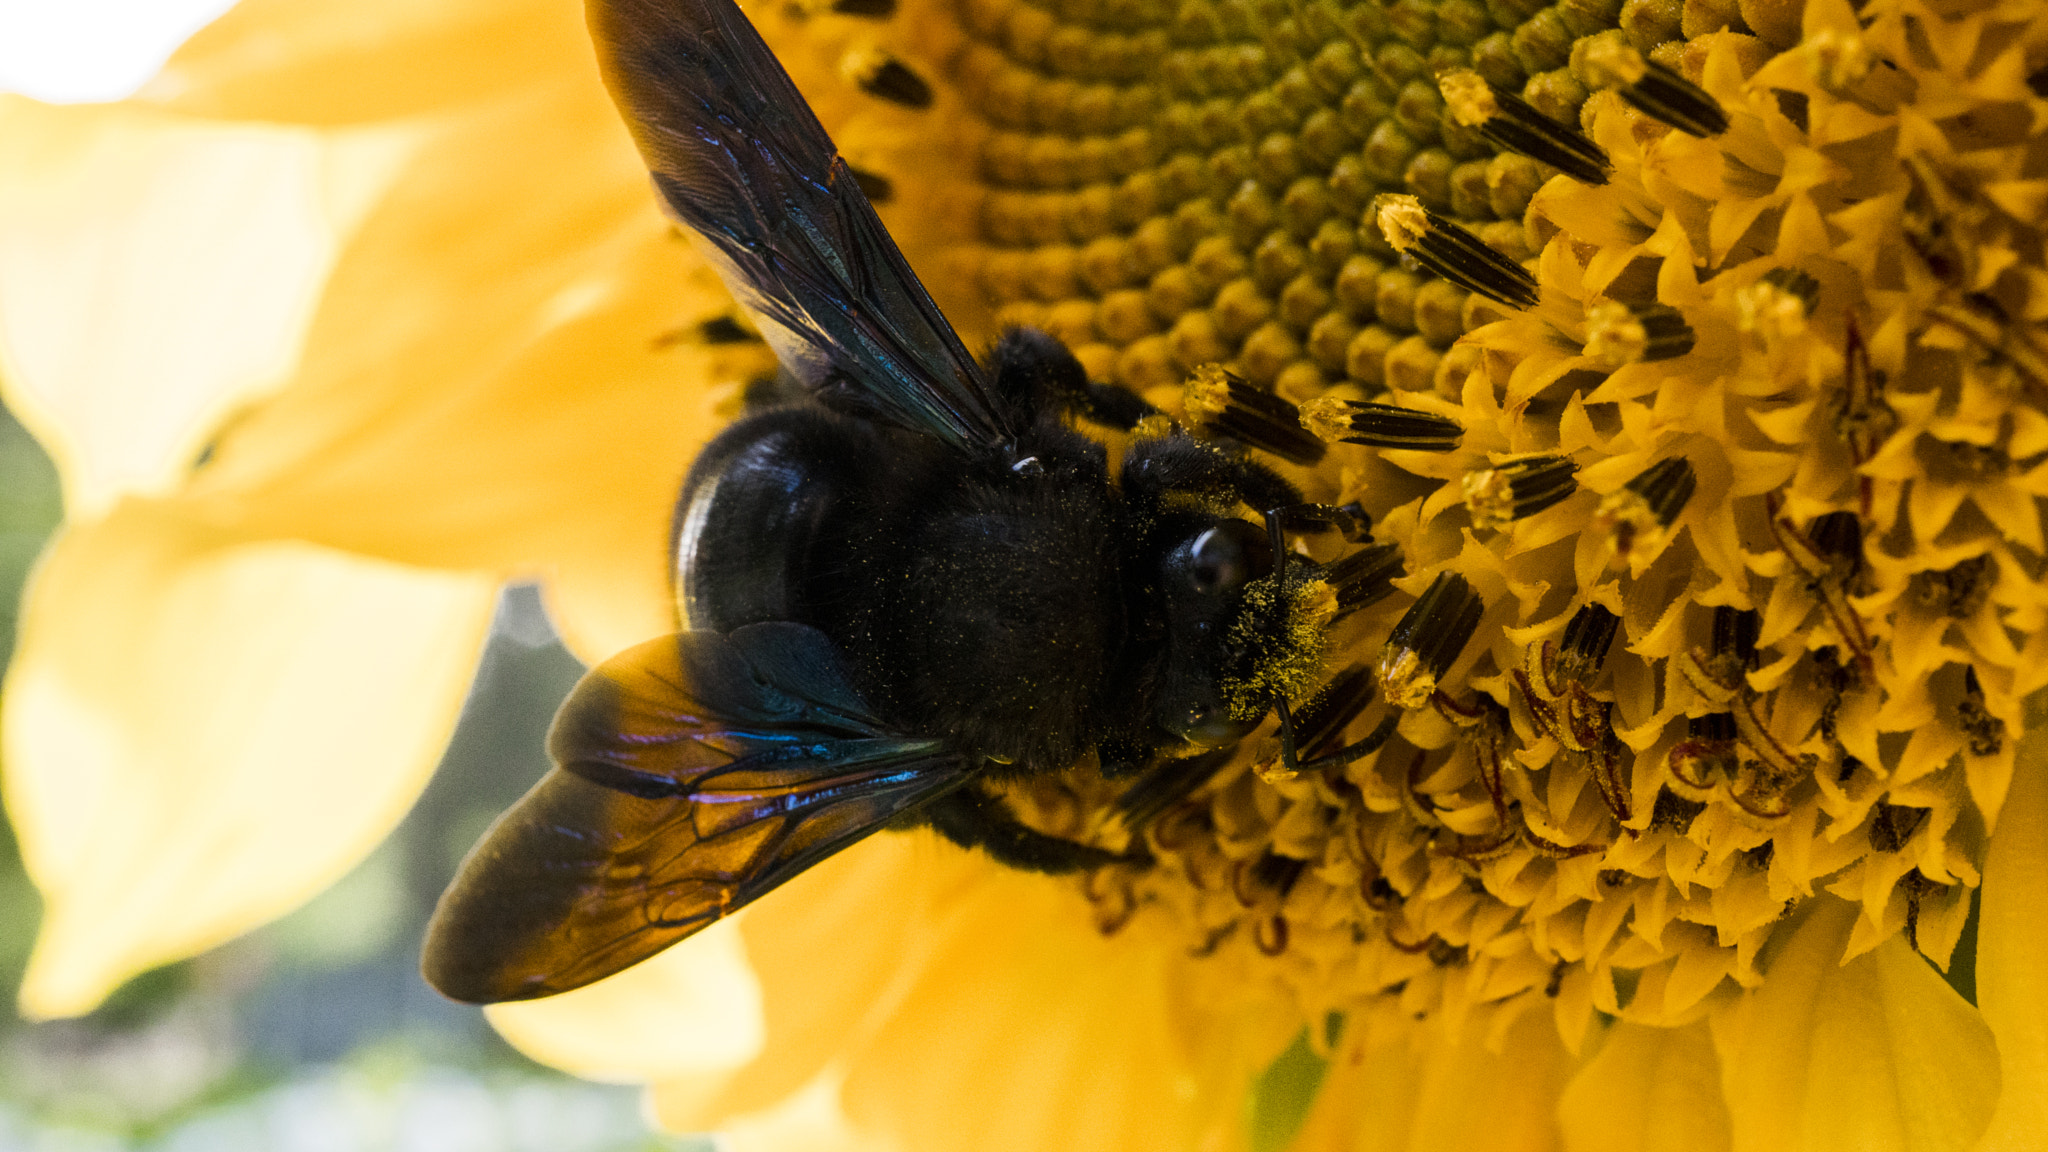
point(2012, 948)
point(1398, 1085)
point(810, 1120)
point(157, 273)
point(1879, 1053)
point(692, 1011)
point(1649, 1089)
point(1103, 1042)
point(202, 732)
point(898, 975)
point(321, 63)
point(863, 908)
point(508, 336)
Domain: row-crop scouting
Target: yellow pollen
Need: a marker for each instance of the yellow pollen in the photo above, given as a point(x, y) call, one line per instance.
point(1207, 392)
point(1774, 314)
point(1402, 221)
point(1469, 96)
point(1327, 419)
point(1838, 60)
point(1614, 336)
point(1610, 62)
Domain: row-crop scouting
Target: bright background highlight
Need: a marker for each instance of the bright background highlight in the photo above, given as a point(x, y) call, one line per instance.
point(80, 51)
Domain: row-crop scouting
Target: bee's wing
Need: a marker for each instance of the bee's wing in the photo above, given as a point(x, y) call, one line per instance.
point(738, 156)
point(693, 774)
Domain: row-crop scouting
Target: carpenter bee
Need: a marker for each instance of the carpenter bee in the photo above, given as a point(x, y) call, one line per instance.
point(909, 579)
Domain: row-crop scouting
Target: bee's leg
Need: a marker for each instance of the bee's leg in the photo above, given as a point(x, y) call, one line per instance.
point(1114, 406)
point(972, 818)
point(1167, 784)
point(1034, 372)
point(1350, 519)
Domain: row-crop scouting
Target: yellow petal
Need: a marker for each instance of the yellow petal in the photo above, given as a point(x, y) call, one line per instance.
point(1648, 1090)
point(813, 1120)
point(693, 1011)
point(863, 908)
point(319, 63)
point(912, 968)
point(1403, 1086)
point(200, 733)
point(1879, 1053)
point(503, 335)
point(2012, 980)
point(156, 274)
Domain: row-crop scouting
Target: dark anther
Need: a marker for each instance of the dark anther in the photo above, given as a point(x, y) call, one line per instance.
point(1226, 405)
point(1379, 425)
point(1276, 536)
point(1513, 489)
point(1427, 640)
point(1715, 726)
point(1657, 91)
point(1839, 536)
point(1587, 636)
point(1444, 954)
point(1674, 812)
point(1277, 872)
point(1321, 724)
point(1735, 635)
point(1793, 106)
point(1620, 334)
point(1956, 592)
point(873, 185)
point(725, 330)
point(1453, 253)
point(1365, 577)
point(1512, 123)
point(884, 76)
point(1166, 785)
point(717, 330)
point(1793, 282)
point(1986, 733)
point(1891, 825)
point(1665, 488)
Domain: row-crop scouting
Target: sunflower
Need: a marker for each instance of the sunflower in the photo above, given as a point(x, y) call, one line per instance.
point(1689, 357)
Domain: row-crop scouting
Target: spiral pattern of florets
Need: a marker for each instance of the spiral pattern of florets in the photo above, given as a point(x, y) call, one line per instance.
point(1743, 509)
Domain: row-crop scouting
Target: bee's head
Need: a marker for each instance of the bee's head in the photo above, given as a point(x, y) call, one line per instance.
point(1237, 637)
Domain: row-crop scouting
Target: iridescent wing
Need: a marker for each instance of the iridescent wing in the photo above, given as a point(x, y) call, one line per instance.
point(693, 774)
point(738, 156)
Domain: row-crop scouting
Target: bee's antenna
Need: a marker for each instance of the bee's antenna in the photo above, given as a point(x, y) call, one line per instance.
point(1276, 533)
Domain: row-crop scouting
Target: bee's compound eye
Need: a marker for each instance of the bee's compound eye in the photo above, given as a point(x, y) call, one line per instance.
point(1228, 556)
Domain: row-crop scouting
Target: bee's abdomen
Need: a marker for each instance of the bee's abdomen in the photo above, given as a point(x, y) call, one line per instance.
point(748, 522)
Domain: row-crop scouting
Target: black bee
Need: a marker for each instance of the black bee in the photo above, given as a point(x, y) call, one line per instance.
point(910, 578)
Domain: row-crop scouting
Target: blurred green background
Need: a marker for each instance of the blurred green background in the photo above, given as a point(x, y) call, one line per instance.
point(316, 1033)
